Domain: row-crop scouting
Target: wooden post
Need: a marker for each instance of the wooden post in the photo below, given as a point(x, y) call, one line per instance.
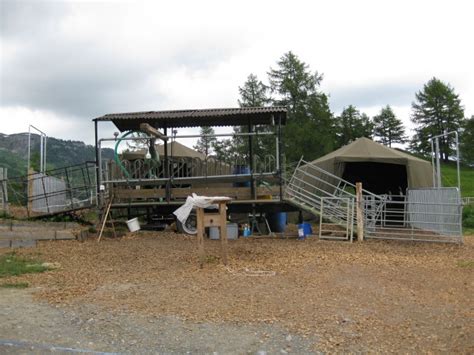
point(218, 220)
point(4, 192)
point(223, 230)
point(359, 212)
point(200, 235)
point(30, 191)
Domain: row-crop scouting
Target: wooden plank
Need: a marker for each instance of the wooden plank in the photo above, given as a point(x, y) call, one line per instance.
point(37, 235)
point(65, 235)
point(241, 193)
point(23, 243)
point(140, 193)
point(200, 235)
point(223, 230)
point(147, 128)
point(211, 220)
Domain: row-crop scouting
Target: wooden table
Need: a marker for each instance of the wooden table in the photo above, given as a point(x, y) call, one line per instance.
point(213, 219)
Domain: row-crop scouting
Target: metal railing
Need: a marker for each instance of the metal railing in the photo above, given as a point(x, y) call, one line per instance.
point(341, 212)
point(422, 215)
point(182, 167)
point(322, 193)
point(468, 201)
point(430, 215)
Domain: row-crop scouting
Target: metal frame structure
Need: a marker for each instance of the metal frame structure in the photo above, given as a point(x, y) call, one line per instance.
point(43, 144)
point(167, 180)
point(54, 191)
point(435, 161)
point(426, 215)
point(429, 215)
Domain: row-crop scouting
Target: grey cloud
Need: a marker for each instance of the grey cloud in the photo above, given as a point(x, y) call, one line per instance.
point(374, 95)
point(29, 17)
point(75, 78)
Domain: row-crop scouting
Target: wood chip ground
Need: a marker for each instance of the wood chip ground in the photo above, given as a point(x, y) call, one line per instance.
point(371, 296)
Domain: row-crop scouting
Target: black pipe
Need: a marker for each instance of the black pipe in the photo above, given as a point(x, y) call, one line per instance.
point(252, 180)
point(97, 177)
point(167, 167)
point(280, 155)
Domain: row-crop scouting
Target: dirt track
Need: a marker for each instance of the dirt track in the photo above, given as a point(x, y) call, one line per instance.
point(374, 296)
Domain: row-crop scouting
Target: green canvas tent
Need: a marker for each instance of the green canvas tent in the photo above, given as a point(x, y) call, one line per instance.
point(380, 169)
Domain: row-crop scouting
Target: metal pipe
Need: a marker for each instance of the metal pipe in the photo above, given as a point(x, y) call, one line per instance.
point(240, 177)
point(29, 150)
point(41, 153)
point(458, 161)
point(44, 155)
point(99, 169)
point(252, 182)
point(438, 165)
point(433, 163)
point(194, 136)
point(97, 157)
point(445, 134)
point(42, 136)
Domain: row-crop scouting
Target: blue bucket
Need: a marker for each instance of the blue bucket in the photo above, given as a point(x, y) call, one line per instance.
point(277, 221)
point(241, 170)
point(304, 229)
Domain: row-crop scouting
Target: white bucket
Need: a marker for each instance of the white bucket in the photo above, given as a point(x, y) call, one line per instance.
point(133, 225)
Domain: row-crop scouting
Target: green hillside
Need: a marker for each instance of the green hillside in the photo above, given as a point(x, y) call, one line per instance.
point(14, 162)
point(449, 177)
point(60, 153)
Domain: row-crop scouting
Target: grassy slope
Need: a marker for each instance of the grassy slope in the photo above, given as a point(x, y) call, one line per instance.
point(449, 178)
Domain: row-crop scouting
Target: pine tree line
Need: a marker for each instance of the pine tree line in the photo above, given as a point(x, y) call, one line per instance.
point(313, 130)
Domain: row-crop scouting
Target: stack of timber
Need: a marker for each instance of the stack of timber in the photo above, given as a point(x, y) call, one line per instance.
point(16, 234)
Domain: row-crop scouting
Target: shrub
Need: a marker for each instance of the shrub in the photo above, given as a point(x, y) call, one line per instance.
point(468, 217)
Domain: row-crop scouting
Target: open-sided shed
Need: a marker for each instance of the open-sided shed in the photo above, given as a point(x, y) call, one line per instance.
point(381, 170)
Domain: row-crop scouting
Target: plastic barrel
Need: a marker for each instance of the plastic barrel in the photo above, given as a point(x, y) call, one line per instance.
point(240, 170)
point(304, 229)
point(277, 221)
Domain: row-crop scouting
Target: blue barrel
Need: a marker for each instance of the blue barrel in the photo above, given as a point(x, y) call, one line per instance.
point(304, 229)
point(277, 221)
point(240, 170)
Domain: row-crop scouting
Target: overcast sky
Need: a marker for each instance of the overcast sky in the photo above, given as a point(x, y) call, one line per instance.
point(63, 63)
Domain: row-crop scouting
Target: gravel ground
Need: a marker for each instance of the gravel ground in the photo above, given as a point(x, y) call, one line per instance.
point(37, 327)
point(146, 293)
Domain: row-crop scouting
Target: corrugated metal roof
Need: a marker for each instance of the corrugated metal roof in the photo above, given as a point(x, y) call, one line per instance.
point(196, 118)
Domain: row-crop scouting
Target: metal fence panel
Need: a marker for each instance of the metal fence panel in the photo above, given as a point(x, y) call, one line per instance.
point(429, 214)
point(48, 193)
point(438, 210)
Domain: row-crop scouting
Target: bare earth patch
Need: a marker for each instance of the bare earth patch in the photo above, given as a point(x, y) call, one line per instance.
point(371, 296)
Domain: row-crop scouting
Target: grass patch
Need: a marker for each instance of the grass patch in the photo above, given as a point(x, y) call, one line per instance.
point(15, 285)
point(13, 265)
point(449, 177)
point(468, 231)
point(469, 264)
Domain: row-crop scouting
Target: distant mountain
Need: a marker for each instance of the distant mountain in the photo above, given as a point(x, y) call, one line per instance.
point(59, 153)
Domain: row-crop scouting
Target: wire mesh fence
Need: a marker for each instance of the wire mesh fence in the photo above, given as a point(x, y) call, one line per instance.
point(54, 191)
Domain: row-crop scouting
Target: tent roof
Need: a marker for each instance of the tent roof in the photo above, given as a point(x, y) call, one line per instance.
point(179, 150)
point(365, 149)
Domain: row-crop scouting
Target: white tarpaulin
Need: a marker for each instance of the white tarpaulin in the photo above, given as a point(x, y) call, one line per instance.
point(183, 212)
